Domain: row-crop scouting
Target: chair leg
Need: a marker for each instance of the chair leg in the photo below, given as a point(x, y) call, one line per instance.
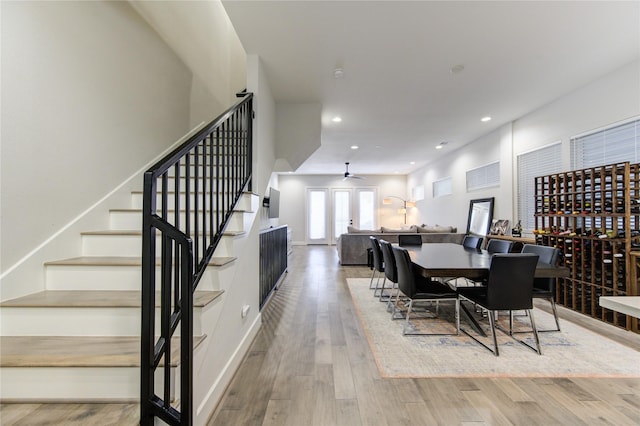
point(375, 291)
point(457, 317)
point(492, 325)
point(373, 274)
point(535, 331)
point(555, 314)
point(382, 297)
point(406, 324)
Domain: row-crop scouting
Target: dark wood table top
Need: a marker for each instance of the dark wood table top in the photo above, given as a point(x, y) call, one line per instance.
point(453, 260)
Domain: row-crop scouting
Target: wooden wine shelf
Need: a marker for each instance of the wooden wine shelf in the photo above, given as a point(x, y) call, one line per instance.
point(593, 216)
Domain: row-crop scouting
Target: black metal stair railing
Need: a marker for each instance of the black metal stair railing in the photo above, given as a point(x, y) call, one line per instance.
point(188, 199)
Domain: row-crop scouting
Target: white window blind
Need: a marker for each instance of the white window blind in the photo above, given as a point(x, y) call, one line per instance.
point(442, 187)
point(483, 177)
point(614, 144)
point(543, 161)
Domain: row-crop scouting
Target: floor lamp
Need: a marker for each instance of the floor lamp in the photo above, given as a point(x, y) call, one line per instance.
point(405, 203)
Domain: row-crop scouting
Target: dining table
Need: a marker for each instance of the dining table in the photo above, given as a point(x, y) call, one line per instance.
point(449, 260)
point(454, 260)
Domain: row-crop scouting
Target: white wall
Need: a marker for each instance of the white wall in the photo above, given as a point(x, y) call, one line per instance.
point(611, 98)
point(83, 106)
point(453, 209)
point(293, 198)
point(202, 35)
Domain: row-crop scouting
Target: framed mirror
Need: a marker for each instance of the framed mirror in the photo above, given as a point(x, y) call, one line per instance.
point(480, 216)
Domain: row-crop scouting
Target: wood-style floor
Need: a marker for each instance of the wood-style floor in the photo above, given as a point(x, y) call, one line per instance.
point(311, 365)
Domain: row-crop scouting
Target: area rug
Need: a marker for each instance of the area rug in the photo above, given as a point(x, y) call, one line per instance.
point(573, 352)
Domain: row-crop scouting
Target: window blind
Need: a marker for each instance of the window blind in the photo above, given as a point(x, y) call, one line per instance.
point(542, 161)
point(483, 177)
point(614, 144)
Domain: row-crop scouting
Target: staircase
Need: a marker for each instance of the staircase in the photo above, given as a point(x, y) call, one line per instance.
point(79, 339)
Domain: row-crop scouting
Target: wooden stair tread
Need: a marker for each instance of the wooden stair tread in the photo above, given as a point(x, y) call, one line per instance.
point(96, 299)
point(76, 351)
point(121, 261)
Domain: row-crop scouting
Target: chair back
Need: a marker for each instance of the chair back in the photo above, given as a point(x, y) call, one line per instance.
point(471, 241)
point(378, 264)
point(406, 279)
point(409, 239)
point(390, 268)
point(510, 281)
point(499, 246)
point(548, 255)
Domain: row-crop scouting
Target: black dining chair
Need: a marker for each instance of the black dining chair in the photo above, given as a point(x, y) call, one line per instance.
point(469, 242)
point(472, 242)
point(391, 274)
point(545, 288)
point(509, 288)
point(378, 264)
point(409, 240)
point(419, 289)
point(499, 246)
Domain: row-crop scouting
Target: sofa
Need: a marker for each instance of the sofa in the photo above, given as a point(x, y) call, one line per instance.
point(352, 246)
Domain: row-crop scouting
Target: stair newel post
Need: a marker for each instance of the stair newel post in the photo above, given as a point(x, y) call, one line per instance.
point(148, 301)
point(186, 334)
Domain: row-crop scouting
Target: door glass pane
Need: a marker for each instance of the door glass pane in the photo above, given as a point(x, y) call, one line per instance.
point(366, 216)
point(342, 212)
point(317, 218)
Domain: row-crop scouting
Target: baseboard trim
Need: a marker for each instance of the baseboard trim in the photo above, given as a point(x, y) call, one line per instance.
point(210, 402)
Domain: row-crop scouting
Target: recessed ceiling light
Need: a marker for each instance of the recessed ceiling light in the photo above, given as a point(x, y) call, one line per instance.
point(485, 119)
point(412, 162)
point(354, 147)
point(441, 144)
point(336, 119)
point(338, 73)
point(438, 146)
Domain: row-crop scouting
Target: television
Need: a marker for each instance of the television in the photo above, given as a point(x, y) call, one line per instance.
point(272, 203)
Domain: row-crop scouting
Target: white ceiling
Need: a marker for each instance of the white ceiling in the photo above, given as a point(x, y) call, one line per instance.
point(398, 97)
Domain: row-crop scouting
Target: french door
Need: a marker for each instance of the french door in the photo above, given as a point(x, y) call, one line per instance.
point(331, 210)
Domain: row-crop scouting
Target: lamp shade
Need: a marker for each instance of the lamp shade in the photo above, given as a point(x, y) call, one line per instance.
point(387, 201)
point(410, 203)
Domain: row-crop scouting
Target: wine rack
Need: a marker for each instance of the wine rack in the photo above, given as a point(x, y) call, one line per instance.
point(592, 215)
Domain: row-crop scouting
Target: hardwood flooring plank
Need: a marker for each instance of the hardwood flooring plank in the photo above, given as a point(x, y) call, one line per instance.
point(277, 412)
point(419, 413)
point(603, 413)
point(347, 412)
point(486, 408)
point(342, 377)
point(324, 409)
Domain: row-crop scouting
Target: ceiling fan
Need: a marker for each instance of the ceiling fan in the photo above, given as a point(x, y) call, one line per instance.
point(348, 175)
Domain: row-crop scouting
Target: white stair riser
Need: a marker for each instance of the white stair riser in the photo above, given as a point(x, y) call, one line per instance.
point(245, 202)
point(43, 321)
point(112, 245)
point(74, 277)
point(132, 219)
point(131, 245)
point(75, 383)
point(95, 321)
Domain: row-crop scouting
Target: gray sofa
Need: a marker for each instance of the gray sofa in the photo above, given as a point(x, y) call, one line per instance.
point(352, 247)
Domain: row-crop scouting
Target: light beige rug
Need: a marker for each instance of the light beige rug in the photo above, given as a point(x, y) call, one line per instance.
point(573, 352)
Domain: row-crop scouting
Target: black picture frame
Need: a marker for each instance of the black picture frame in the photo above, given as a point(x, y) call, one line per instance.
point(480, 216)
